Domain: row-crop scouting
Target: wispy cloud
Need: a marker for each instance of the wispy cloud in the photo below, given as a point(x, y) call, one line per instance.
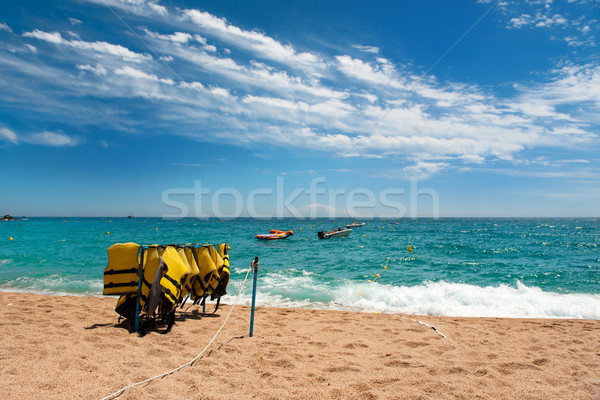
point(538, 21)
point(99, 47)
point(246, 86)
point(192, 165)
point(367, 49)
point(576, 26)
point(257, 42)
point(4, 27)
point(322, 210)
point(8, 135)
point(52, 139)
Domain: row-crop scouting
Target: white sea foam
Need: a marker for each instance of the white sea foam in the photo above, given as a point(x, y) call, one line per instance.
point(55, 284)
point(455, 299)
point(430, 298)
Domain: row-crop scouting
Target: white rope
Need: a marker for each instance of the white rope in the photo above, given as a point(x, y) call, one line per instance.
point(120, 391)
point(422, 323)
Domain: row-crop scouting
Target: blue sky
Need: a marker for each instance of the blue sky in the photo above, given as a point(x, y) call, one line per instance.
point(396, 108)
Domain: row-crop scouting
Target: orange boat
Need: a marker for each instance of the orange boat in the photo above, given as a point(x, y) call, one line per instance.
point(274, 234)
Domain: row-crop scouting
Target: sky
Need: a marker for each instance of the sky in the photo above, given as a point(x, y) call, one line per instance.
point(174, 108)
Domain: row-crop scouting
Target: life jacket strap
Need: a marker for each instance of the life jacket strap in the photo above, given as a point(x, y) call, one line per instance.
point(122, 271)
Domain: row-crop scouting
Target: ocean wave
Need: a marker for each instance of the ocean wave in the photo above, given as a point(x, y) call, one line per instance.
point(55, 284)
point(464, 300)
point(429, 298)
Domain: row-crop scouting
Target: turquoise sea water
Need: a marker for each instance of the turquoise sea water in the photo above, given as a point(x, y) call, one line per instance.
point(459, 267)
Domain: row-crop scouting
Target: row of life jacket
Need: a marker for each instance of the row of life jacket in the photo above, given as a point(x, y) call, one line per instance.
point(169, 274)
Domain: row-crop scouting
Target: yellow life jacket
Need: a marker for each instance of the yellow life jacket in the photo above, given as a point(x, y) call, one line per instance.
point(209, 275)
point(186, 284)
point(127, 306)
point(196, 288)
point(121, 274)
point(151, 261)
point(175, 275)
point(224, 273)
point(218, 261)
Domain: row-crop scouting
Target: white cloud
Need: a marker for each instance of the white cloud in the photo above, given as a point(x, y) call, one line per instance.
point(52, 139)
point(571, 22)
point(98, 69)
point(74, 21)
point(572, 84)
point(142, 7)
point(322, 210)
point(377, 74)
point(139, 74)
point(8, 135)
point(4, 27)
point(256, 74)
point(261, 44)
point(367, 107)
point(97, 47)
point(425, 170)
point(539, 21)
point(52, 37)
point(367, 49)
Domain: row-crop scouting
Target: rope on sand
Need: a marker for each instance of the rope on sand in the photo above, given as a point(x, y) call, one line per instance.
point(422, 323)
point(120, 391)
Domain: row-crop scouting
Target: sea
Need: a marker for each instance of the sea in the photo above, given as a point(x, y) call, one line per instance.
point(472, 267)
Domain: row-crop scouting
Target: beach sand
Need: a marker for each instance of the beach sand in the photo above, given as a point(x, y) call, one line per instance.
point(65, 347)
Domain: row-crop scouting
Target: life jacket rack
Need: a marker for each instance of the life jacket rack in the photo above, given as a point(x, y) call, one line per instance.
point(158, 278)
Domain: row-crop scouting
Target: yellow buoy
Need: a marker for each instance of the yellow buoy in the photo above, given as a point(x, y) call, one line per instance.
point(300, 228)
point(10, 238)
point(364, 236)
point(377, 276)
point(109, 220)
point(369, 281)
point(156, 228)
point(409, 248)
point(108, 233)
point(385, 267)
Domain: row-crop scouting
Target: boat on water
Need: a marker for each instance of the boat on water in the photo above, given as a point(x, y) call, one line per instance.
point(274, 234)
point(355, 225)
point(334, 234)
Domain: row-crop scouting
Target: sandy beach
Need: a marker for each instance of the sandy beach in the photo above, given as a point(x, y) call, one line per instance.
point(66, 347)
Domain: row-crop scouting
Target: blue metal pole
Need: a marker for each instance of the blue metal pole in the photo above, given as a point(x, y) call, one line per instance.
point(255, 267)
